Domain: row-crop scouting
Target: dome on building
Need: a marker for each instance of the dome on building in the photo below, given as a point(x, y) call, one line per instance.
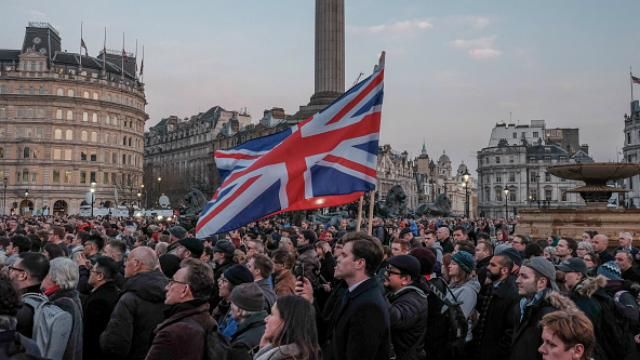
point(444, 158)
point(462, 169)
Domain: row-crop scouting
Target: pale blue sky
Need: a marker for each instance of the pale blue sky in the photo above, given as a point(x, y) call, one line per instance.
point(454, 68)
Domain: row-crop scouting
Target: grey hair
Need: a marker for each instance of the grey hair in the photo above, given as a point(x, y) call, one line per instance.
point(550, 249)
point(147, 256)
point(585, 245)
point(64, 272)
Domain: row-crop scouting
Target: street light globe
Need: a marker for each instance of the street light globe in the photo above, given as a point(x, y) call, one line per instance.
point(159, 217)
point(506, 191)
point(93, 190)
point(159, 178)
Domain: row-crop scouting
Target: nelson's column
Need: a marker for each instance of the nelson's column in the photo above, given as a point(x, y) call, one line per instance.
point(329, 57)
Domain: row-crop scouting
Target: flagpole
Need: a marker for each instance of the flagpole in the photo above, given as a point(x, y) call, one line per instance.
point(135, 72)
point(104, 52)
point(142, 66)
point(359, 220)
point(372, 197)
point(80, 46)
point(122, 59)
point(631, 82)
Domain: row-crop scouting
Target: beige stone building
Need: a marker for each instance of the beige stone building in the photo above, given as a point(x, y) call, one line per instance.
point(67, 124)
point(179, 152)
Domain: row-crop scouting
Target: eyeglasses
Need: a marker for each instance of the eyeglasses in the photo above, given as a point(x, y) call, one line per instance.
point(389, 271)
point(174, 281)
point(12, 268)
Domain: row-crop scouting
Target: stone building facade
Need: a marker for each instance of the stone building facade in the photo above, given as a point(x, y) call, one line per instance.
point(68, 123)
point(517, 159)
point(393, 169)
point(631, 153)
point(437, 178)
point(180, 152)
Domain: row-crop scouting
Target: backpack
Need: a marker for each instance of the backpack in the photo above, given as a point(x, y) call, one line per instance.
point(618, 342)
point(51, 326)
point(455, 323)
point(218, 347)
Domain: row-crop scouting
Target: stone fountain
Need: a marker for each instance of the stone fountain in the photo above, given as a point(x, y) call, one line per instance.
point(541, 223)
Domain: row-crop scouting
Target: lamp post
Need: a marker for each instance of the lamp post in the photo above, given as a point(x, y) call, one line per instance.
point(159, 193)
point(465, 179)
point(26, 198)
point(139, 199)
point(4, 196)
point(93, 196)
point(506, 204)
point(145, 195)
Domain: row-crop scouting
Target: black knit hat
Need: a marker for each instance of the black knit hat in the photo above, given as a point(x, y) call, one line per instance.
point(194, 245)
point(238, 274)
point(427, 259)
point(248, 297)
point(407, 264)
point(169, 264)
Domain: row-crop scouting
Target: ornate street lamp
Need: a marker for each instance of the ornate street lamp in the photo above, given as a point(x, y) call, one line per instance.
point(465, 179)
point(93, 196)
point(506, 204)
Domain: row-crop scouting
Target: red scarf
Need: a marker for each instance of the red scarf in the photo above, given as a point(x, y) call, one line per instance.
point(52, 290)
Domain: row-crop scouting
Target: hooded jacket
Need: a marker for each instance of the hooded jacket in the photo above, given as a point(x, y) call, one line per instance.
point(137, 313)
point(467, 294)
point(527, 336)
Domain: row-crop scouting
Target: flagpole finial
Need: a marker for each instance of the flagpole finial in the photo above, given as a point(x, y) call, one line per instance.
point(381, 60)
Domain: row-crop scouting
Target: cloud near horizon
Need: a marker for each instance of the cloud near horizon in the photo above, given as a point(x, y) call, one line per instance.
point(480, 49)
point(402, 26)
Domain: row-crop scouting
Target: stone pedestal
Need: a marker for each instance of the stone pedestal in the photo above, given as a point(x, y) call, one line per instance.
point(542, 223)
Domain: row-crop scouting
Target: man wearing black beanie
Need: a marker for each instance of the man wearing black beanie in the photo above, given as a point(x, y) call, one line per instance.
point(408, 307)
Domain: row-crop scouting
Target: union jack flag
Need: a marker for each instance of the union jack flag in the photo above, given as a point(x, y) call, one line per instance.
point(326, 160)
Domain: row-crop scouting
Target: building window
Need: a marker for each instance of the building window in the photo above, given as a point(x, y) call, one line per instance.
point(547, 194)
point(85, 116)
point(497, 159)
point(105, 178)
point(56, 176)
point(83, 135)
point(60, 92)
point(92, 176)
point(25, 176)
point(512, 177)
point(94, 117)
point(498, 178)
point(564, 195)
point(70, 92)
point(57, 134)
point(515, 135)
point(69, 134)
point(94, 136)
point(629, 137)
point(95, 95)
point(114, 158)
point(67, 154)
point(59, 114)
point(535, 134)
point(498, 193)
point(57, 154)
point(83, 156)
point(94, 157)
point(69, 115)
point(85, 94)
point(124, 159)
point(83, 177)
point(513, 192)
point(547, 177)
point(68, 177)
point(533, 177)
point(26, 153)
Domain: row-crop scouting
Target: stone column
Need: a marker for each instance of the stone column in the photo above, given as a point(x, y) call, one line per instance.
point(329, 51)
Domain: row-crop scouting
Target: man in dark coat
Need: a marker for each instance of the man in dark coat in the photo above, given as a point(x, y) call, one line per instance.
point(496, 304)
point(26, 275)
point(359, 323)
point(139, 309)
point(484, 252)
point(536, 283)
point(182, 334)
point(99, 305)
point(408, 307)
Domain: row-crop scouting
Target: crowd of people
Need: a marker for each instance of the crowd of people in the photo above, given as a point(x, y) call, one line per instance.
point(427, 288)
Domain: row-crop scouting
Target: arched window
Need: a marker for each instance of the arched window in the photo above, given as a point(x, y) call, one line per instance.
point(94, 136)
point(69, 115)
point(498, 190)
point(85, 95)
point(59, 114)
point(70, 92)
point(94, 117)
point(60, 92)
point(83, 135)
point(26, 153)
point(129, 141)
point(69, 134)
point(85, 116)
point(57, 134)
